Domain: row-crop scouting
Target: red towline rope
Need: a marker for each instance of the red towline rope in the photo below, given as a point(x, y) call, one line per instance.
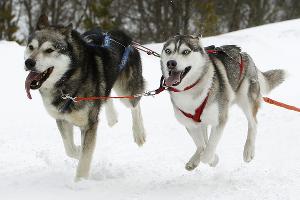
point(140, 47)
point(77, 99)
point(266, 99)
point(280, 104)
point(162, 88)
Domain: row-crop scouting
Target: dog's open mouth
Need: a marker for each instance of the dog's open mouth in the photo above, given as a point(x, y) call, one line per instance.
point(175, 77)
point(35, 80)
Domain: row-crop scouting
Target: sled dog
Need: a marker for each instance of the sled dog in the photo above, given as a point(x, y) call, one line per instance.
point(61, 61)
point(204, 82)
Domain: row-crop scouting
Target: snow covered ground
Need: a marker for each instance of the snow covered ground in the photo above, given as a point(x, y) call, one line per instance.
point(33, 164)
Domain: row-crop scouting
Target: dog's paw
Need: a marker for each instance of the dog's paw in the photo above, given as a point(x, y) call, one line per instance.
point(139, 138)
point(139, 135)
point(249, 151)
point(80, 178)
point(193, 162)
point(215, 161)
point(190, 166)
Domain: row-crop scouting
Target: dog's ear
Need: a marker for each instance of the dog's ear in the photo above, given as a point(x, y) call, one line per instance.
point(197, 35)
point(66, 30)
point(42, 22)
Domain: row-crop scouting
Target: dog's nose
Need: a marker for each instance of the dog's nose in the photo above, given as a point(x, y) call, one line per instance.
point(30, 63)
point(171, 64)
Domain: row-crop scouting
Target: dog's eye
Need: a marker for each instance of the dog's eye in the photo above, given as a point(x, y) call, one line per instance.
point(168, 51)
point(186, 52)
point(49, 50)
point(30, 47)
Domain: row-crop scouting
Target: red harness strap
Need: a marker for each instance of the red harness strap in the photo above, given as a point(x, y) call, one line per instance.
point(185, 89)
point(211, 51)
point(241, 62)
point(198, 112)
point(162, 87)
point(241, 67)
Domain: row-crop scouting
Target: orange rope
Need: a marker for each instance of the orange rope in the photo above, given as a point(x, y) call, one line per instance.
point(266, 99)
point(102, 98)
point(280, 104)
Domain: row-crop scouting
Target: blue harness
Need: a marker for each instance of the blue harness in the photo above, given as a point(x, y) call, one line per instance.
point(127, 50)
point(107, 41)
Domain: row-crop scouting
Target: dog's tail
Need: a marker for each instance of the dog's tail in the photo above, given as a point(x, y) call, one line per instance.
point(270, 79)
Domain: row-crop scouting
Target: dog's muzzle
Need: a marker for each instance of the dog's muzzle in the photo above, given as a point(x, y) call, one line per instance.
point(35, 80)
point(175, 77)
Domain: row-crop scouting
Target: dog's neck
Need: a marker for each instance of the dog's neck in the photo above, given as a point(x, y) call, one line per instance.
point(53, 95)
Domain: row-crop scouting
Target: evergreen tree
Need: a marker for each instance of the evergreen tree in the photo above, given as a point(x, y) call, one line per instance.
point(99, 14)
point(207, 22)
point(8, 23)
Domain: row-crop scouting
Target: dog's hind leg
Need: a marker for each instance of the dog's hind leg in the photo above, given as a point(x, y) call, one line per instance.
point(137, 123)
point(111, 114)
point(88, 142)
point(131, 82)
point(139, 135)
point(250, 109)
point(66, 131)
point(249, 99)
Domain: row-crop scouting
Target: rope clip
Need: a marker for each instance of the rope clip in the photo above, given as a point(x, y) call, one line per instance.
point(150, 93)
point(67, 96)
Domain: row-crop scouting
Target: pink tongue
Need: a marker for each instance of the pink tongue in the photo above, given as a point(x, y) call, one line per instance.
point(173, 79)
point(31, 77)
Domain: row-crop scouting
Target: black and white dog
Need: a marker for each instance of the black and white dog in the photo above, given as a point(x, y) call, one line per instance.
point(61, 61)
point(204, 83)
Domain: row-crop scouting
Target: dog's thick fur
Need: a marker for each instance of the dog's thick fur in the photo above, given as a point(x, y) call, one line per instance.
point(221, 81)
point(83, 69)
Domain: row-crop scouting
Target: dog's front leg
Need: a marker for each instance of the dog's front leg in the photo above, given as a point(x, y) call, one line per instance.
point(66, 131)
point(88, 142)
point(208, 155)
point(198, 136)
